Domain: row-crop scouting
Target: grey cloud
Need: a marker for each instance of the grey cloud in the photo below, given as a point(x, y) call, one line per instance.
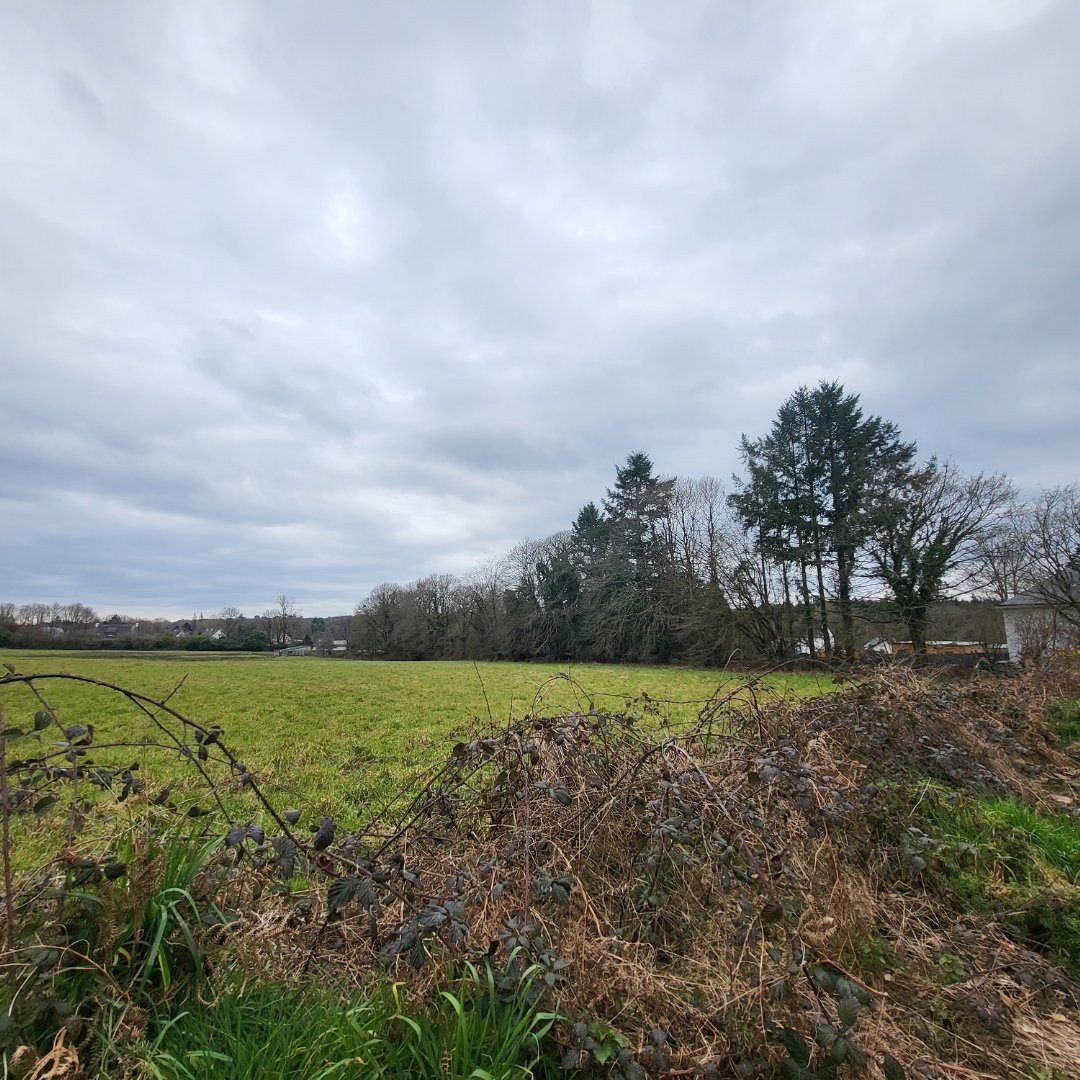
point(304, 298)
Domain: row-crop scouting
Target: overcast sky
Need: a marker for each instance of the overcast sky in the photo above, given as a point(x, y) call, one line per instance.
point(300, 297)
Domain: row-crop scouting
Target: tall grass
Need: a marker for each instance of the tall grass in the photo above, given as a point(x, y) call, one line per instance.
point(1020, 865)
point(1064, 717)
point(1012, 840)
point(273, 1033)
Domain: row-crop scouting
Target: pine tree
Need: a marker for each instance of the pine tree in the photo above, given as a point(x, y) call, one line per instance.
point(806, 494)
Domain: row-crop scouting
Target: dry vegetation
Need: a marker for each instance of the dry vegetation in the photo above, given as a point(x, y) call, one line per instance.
point(782, 888)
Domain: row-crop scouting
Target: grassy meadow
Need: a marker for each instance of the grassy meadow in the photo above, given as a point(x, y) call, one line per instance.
point(334, 736)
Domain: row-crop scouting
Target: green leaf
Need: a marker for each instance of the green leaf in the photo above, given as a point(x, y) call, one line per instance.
point(847, 1009)
point(13, 733)
point(892, 1068)
point(846, 1050)
point(341, 891)
point(796, 1046)
point(42, 720)
point(825, 977)
point(417, 954)
point(43, 805)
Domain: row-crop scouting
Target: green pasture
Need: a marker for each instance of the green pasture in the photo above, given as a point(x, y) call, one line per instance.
point(334, 736)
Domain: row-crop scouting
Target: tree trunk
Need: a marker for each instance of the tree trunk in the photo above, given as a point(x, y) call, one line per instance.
point(808, 609)
point(826, 636)
point(844, 561)
point(918, 622)
point(788, 621)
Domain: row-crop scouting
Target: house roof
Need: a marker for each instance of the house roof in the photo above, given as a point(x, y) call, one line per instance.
point(1044, 593)
point(1024, 599)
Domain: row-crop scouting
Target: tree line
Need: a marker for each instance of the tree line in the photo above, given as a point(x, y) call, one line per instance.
point(78, 626)
point(833, 529)
point(834, 519)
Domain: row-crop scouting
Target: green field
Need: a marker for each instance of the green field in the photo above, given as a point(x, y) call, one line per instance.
point(334, 736)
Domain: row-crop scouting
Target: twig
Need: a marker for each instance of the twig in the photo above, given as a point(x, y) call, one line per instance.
point(9, 900)
point(483, 690)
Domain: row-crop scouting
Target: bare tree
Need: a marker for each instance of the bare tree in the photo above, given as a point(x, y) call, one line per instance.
point(480, 605)
point(282, 619)
point(374, 625)
point(231, 619)
point(926, 531)
point(1001, 563)
point(1053, 547)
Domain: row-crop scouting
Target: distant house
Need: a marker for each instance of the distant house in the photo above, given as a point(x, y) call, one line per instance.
point(1034, 625)
point(295, 650)
point(803, 649)
point(185, 628)
point(963, 653)
point(883, 647)
point(113, 631)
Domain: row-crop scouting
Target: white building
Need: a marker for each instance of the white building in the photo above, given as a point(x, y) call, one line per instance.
point(1034, 624)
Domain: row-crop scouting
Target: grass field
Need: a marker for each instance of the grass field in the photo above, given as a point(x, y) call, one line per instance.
point(334, 735)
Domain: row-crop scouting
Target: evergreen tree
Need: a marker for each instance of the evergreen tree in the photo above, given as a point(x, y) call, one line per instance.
point(626, 617)
point(806, 494)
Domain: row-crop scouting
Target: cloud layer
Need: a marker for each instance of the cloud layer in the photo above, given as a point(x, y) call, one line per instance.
point(298, 298)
